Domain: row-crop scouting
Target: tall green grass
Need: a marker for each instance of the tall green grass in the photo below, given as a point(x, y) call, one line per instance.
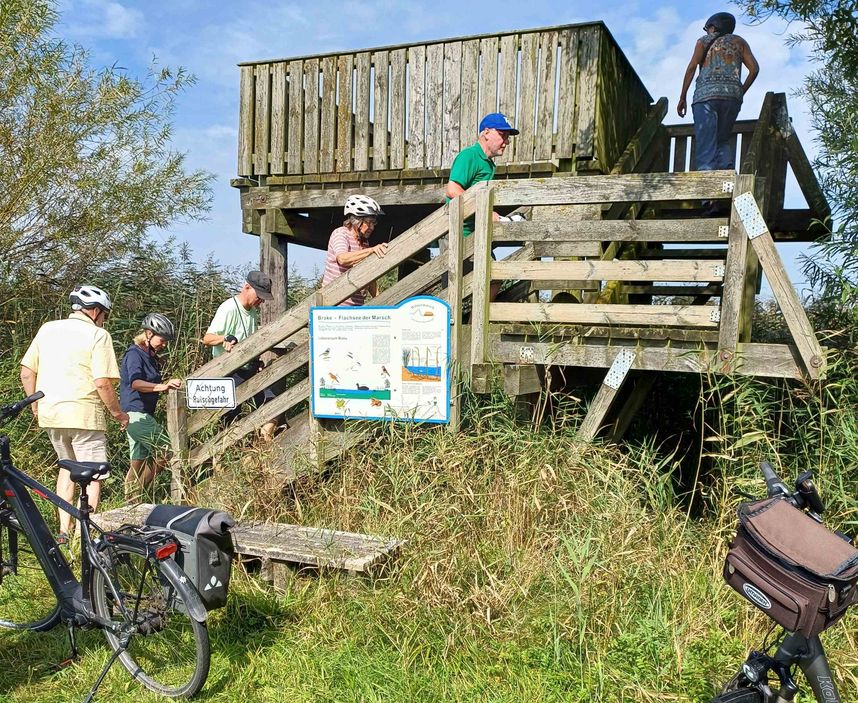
point(535, 568)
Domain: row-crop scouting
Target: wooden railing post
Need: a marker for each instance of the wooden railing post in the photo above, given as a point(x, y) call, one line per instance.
point(316, 431)
point(735, 270)
point(454, 299)
point(482, 275)
point(177, 428)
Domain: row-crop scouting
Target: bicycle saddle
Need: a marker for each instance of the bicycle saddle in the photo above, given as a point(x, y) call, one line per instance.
point(85, 471)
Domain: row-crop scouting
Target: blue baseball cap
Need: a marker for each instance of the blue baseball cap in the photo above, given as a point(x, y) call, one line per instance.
point(495, 120)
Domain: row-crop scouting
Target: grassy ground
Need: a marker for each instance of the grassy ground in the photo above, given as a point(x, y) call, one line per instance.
point(535, 570)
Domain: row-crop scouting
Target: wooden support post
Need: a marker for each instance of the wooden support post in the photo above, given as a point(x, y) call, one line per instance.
point(601, 404)
point(754, 227)
point(643, 385)
point(482, 275)
point(273, 260)
point(734, 279)
point(316, 432)
point(455, 285)
point(177, 428)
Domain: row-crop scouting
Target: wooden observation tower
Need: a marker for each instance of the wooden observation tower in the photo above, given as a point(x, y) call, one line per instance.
point(614, 220)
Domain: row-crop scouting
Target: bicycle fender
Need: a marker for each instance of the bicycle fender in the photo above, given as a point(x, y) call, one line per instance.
point(190, 596)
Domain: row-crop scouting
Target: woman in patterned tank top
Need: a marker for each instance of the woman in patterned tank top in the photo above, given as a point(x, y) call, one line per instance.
point(718, 91)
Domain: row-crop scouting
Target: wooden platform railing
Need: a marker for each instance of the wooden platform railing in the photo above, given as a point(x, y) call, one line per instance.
point(415, 106)
point(723, 272)
point(762, 147)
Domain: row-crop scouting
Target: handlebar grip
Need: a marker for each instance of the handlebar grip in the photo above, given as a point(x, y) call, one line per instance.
point(774, 484)
point(29, 400)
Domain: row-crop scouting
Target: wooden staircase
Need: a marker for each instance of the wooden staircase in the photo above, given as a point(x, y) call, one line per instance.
point(624, 246)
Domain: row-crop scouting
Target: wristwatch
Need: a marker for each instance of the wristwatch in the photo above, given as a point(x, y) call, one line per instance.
point(232, 339)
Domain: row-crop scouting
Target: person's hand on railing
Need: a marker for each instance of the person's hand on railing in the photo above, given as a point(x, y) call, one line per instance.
point(380, 249)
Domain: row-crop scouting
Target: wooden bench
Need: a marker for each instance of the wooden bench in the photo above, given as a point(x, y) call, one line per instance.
point(279, 545)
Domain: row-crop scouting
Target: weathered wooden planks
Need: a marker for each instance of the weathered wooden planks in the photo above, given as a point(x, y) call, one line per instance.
point(630, 188)
point(381, 85)
point(296, 116)
point(262, 114)
point(246, 121)
point(397, 108)
point(290, 544)
point(764, 360)
point(668, 271)
point(451, 125)
point(442, 88)
point(417, 107)
point(678, 315)
point(684, 231)
point(328, 128)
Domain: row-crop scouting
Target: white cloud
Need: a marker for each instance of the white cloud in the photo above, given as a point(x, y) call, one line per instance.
point(101, 19)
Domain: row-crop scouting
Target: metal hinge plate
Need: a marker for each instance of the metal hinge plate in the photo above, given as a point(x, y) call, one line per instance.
point(526, 355)
point(749, 213)
point(622, 363)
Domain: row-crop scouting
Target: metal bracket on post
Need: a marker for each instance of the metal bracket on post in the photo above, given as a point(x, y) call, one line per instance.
point(715, 315)
point(723, 231)
point(727, 186)
point(750, 215)
point(718, 270)
point(525, 355)
point(622, 363)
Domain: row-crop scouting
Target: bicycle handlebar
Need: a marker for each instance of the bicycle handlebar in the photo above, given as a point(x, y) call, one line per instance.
point(11, 411)
point(804, 497)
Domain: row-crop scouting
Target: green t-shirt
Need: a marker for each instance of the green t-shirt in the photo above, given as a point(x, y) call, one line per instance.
point(232, 318)
point(470, 166)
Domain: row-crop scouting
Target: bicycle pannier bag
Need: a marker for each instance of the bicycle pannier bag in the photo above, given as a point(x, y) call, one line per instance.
point(796, 570)
point(206, 547)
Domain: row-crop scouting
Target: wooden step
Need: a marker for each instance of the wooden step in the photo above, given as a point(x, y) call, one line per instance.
point(281, 544)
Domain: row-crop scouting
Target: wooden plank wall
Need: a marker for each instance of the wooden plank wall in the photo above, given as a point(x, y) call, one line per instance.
point(416, 107)
point(622, 103)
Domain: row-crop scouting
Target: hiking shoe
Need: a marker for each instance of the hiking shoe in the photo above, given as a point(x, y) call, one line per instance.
point(62, 539)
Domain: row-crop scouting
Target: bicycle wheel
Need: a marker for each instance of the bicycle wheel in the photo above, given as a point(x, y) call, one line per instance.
point(27, 601)
point(166, 650)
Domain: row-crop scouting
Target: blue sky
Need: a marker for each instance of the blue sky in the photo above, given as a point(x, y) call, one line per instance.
point(210, 38)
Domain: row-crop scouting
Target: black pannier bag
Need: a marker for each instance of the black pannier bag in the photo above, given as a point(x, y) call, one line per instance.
point(206, 547)
point(796, 570)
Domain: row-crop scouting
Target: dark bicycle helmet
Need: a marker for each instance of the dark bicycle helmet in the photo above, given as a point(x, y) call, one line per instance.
point(86, 297)
point(159, 324)
point(723, 22)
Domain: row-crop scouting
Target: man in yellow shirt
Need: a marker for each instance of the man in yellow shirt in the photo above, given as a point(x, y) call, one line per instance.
point(73, 363)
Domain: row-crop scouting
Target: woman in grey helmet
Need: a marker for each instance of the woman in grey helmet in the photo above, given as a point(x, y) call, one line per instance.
point(140, 384)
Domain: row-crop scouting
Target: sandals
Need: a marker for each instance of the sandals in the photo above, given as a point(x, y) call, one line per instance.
point(62, 539)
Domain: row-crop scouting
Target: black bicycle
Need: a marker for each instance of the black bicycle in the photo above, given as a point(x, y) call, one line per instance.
point(769, 676)
point(130, 587)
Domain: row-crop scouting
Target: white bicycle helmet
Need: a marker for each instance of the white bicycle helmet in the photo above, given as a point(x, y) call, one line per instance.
point(86, 297)
point(159, 324)
point(362, 206)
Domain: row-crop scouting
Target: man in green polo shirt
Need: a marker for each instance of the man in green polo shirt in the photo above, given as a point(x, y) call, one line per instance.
point(476, 163)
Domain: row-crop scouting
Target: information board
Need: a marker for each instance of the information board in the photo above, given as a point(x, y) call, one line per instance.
point(383, 363)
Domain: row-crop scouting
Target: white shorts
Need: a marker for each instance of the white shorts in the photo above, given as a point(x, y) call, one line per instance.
point(79, 445)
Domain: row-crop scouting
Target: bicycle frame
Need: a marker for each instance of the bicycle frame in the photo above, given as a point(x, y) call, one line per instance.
point(809, 654)
point(72, 594)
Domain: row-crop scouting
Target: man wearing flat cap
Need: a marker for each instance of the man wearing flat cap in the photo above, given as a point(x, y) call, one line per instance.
point(235, 320)
point(476, 163)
